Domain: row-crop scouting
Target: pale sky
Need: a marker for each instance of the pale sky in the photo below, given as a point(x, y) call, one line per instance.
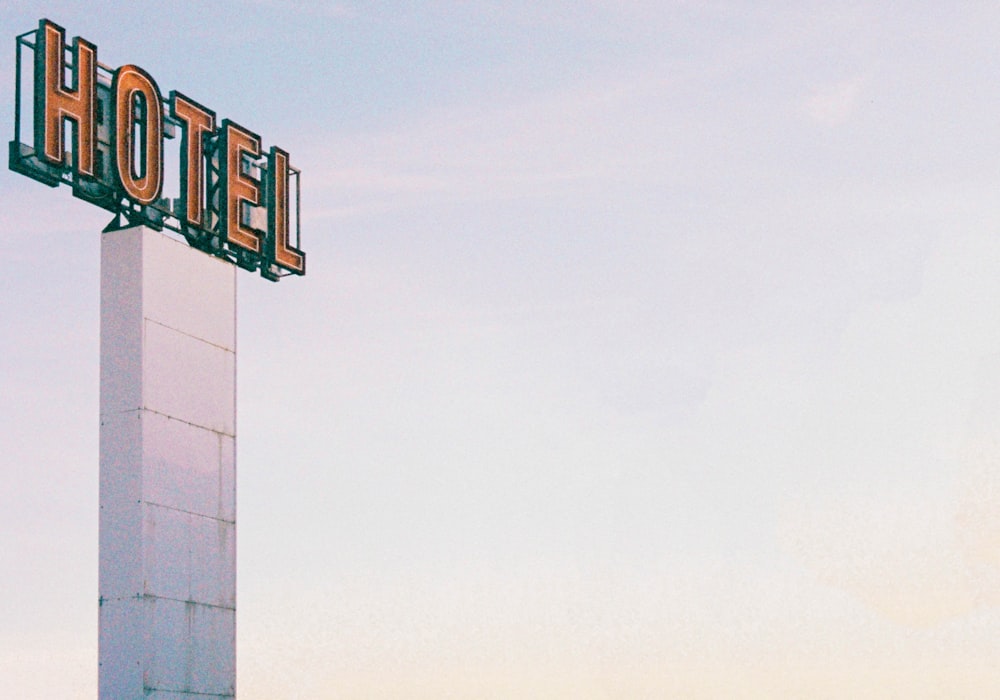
point(647, 350)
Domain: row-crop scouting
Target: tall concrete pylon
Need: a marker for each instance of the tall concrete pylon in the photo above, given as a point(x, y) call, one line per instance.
point(167, 470)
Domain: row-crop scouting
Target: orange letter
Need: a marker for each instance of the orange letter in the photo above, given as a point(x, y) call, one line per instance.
point(197, 121)
point(238, 188)
point(278, 248)
point(54, 102)
point(137, 106)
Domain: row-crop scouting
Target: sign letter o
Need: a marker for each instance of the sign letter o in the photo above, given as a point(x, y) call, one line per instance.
point(137, 122)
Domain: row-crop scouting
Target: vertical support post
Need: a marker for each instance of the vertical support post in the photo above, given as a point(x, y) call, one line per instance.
point(168, 467)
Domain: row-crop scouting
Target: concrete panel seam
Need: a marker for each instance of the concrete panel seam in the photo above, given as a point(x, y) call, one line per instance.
point(188, 512)
point(153, 596)
point(189, 693)
point(101, 600)
point(181, 420)
point(231, 351)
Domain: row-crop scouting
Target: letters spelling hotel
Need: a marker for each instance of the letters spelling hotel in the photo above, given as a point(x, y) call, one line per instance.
point(235, 200)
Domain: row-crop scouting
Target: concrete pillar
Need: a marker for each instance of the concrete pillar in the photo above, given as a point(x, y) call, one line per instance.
point(168, 469)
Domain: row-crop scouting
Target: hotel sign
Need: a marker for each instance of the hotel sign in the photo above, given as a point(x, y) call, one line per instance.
point(102, 132)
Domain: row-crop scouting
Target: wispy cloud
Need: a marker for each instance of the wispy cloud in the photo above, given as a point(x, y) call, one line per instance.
point(528, 148)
